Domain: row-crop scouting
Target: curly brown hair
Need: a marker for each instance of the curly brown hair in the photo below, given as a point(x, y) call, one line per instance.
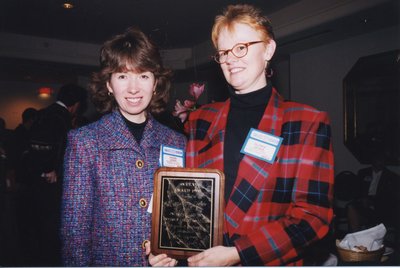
point(130, 51)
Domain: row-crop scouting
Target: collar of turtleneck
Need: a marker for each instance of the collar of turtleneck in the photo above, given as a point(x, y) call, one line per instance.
point(252, 99)
point(136, 129)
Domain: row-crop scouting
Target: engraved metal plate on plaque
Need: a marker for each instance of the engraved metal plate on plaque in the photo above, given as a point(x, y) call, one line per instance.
point(187, 215)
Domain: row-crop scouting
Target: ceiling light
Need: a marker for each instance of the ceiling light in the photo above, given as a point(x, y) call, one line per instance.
point(68, 5)
point(45, 92)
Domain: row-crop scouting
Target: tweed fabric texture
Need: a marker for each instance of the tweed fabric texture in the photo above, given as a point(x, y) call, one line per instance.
point(103, 223)
point(275, 210)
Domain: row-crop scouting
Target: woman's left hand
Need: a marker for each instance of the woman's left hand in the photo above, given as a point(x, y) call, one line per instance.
point(216, 256)
point(159, 260)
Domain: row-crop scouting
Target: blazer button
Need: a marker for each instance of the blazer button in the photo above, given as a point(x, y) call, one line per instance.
point(142, 203)
point(139, 163)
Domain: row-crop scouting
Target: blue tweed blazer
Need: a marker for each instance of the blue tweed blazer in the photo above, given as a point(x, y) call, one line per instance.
point(106, 192)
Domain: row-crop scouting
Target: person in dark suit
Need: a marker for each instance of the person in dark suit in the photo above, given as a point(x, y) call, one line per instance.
point(21, 143)
point(6, 255)
point(377, 202)
point(20, 149)
point(49, 132)
point(45, 168)
point(6, 155)
point(5, 138)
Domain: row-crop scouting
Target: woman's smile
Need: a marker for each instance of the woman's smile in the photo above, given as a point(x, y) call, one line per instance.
point(134, 100)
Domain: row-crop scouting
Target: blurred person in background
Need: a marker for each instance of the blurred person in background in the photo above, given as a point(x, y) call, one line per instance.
point(24, 208)
point(44, 163)
point(6, 179)
point(377, 202)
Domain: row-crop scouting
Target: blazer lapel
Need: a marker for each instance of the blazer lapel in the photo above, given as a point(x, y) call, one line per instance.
point(214, 142)
point(114, 134)
point(255, 170)
point(151, 136)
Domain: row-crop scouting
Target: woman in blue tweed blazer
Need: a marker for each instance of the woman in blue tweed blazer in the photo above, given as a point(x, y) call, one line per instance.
point(109, 164)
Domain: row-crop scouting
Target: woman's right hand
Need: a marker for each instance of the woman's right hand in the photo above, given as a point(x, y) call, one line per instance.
point(159, 260)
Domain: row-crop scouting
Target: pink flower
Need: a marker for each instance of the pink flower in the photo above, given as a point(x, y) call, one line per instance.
point(182, 110)
point(196, 90)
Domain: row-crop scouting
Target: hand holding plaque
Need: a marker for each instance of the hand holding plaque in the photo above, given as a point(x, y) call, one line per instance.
point(187, 215)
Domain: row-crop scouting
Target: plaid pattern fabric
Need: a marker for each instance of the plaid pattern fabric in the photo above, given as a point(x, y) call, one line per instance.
point(103, 223)
point(275, 210)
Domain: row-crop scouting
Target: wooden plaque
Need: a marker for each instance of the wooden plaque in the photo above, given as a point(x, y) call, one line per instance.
point(187, 213)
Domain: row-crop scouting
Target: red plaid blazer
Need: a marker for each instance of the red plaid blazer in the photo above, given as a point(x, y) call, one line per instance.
point(275, 210)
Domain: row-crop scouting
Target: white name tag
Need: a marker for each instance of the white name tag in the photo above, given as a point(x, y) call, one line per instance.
point(261, 145)
point(171, 157)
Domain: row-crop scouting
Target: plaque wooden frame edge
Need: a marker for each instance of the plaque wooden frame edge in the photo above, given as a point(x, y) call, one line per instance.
point(218, 208)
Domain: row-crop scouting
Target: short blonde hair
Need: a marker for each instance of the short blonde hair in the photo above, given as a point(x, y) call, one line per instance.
point(246, 14)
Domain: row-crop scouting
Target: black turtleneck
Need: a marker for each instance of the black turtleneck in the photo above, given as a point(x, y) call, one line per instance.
point(136, 129)
point(245, 112)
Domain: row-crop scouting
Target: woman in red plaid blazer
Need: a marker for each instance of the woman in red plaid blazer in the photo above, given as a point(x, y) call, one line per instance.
point(278, 200)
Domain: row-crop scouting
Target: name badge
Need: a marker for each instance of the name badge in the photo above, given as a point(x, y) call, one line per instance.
point(261, 145)
point(171, 157)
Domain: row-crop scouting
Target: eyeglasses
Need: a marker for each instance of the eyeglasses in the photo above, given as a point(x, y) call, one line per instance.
point(239, 51)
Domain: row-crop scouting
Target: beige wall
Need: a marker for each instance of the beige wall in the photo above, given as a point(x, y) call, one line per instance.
point(317, 76)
